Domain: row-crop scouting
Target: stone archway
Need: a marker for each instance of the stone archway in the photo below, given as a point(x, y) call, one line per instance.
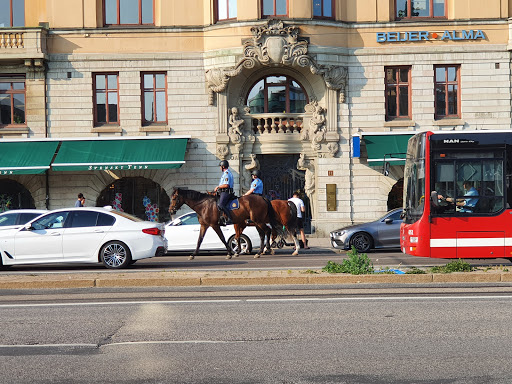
point(395, 196)
point(137, 196)
point(14, 195)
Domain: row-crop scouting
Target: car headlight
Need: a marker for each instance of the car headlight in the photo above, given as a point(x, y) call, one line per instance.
point(338, 233)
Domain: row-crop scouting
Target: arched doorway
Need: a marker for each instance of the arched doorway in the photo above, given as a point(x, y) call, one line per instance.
point(137, 196)
point(396, 195)
point(14, 195)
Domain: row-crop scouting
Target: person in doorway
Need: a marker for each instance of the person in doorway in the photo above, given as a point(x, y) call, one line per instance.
point(224, 190)
point(80, 202)
point(256, 185)
point(300, 216)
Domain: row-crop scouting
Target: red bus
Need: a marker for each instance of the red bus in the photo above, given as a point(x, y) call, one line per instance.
point(458, 195)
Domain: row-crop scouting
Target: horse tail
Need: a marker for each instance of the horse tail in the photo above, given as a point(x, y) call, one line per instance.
point(292, 222)
point(277, 227)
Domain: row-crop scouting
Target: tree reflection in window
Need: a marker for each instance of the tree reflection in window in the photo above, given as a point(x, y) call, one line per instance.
point(277, 94)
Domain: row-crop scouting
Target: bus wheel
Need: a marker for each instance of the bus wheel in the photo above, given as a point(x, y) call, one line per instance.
point(361, 241)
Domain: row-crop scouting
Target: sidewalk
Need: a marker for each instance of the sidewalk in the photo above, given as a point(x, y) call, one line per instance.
point(109, 278)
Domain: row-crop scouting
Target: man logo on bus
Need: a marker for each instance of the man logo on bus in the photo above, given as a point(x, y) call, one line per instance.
point(451, 141)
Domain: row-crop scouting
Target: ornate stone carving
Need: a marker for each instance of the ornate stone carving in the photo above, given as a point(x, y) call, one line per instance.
point(309, 185)
point(235, 133)
point(316, 129)
point(222, 151)
point(333, 149)
point(251, 165)
point(271, 44)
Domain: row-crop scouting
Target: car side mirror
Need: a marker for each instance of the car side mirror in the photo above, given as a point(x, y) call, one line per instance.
point(177, 222)
point(388, 221)
point(28, 227)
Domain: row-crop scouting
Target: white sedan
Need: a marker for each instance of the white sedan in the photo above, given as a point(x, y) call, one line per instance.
point(82, 235)
point(182, 234)
point(17, 217)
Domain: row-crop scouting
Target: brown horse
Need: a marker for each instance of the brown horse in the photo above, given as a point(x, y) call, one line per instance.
point(252, 207)
point(286, 215)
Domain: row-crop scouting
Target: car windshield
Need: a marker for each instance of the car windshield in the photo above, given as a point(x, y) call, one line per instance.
point(126, 215)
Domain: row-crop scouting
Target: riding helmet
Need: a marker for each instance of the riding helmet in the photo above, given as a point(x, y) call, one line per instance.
point(257, 173)
point(224, 164)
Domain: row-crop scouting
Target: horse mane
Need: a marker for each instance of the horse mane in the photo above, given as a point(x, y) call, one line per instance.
point(193, 195)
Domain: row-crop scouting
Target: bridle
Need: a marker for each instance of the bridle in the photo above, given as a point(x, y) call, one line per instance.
point(176, 203)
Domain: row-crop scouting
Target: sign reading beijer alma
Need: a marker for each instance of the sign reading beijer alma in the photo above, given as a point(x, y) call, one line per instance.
point(388, 37)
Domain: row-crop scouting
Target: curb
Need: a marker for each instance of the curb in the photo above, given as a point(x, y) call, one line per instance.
point(263, 278)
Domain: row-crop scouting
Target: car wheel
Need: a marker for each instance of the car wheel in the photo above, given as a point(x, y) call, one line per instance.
point(115, 254)
point(245, 244)
point(361, 241)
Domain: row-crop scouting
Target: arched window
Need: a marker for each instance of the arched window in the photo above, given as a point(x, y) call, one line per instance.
point(277, 94)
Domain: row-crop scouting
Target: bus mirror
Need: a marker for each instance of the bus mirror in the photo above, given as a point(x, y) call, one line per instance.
point(434, 198)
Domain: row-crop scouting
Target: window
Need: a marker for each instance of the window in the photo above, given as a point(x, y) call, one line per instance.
point(323, 9)
point(398, 90)
point(275, 8)
point(12, 100)
point(277, 94)
point(128, 12)
point(446, 80)
point(83, 219)
point(106, 96)
point(225, 9)
point(52, 220)
point(12, 14)
point(154, 96)
point(468, 182)
point(8, 219)
point(408, 9)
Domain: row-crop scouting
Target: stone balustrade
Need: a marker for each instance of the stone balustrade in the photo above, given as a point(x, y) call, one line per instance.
point(12, 40)
point(275, 123)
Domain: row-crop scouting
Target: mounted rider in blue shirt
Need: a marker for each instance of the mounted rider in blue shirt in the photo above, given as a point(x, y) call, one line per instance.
point(225, 189)
point(256, 185)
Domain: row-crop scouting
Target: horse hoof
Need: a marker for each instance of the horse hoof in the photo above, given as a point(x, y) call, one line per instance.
point(272, 252)
point(236, 255)
point(228, 257)
point(191, 257)
point(295, 253)
point(257, 256)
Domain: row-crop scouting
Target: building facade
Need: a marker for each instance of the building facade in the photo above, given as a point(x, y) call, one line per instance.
point(123, 101)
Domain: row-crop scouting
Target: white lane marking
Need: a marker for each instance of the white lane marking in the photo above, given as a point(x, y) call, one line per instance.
point(122, 343)
point(299, 299)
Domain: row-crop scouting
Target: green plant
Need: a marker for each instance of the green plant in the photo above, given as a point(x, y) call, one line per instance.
point(453, 266)
point(415, 271)
point(355, 264)
point(309, 271)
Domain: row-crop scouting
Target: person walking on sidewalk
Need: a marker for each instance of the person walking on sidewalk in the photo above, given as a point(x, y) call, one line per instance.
point(80, 201)
point(300, 216)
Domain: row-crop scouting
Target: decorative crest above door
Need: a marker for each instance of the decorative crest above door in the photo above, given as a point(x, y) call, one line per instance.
point(271, 44)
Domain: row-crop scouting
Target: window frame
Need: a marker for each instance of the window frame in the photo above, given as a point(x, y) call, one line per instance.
point(154, 90)
point(274, 15)
point(289, 79)
point(333, 9)
point(106, 91)
point(397, 87)
point(446, 84)
point(15, 79)
point(431, 16)
point(118, 16)
point(216, 12)
point(11, 15)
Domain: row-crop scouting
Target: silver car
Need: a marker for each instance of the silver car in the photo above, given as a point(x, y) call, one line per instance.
point(381, 233)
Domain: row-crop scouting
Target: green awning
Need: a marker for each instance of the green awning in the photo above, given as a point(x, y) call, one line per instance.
point(26, 157)
point(390, 147)
point(120, 154)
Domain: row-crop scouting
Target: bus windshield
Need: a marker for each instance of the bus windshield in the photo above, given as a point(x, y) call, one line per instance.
point(414, 174)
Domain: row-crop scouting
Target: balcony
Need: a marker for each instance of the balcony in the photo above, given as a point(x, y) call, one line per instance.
point(19, 44)
point(277, 123)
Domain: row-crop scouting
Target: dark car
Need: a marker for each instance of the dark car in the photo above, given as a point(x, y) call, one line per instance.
point(381, 233)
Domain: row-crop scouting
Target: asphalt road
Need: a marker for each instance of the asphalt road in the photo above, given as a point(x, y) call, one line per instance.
point(345, 336)
point(315, 258)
